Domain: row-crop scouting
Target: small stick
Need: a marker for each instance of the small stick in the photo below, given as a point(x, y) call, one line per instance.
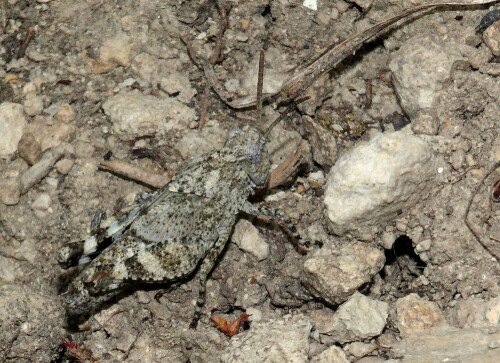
point(216, 56)
point(39, 170)
point(3, 8)
point(467, 210)
point(135, 173)
point(369, 94)
point(29, 36)
point(260, 83)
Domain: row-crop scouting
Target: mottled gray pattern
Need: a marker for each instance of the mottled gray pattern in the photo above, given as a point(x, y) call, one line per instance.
point(181, 226)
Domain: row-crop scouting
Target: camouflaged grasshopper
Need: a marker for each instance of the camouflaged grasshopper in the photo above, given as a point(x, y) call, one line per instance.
point(179, 228)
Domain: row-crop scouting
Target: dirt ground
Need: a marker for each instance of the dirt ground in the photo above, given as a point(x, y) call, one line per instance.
point(83, 55)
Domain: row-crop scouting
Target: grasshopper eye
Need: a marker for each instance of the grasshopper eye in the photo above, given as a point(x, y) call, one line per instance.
point(253, 153)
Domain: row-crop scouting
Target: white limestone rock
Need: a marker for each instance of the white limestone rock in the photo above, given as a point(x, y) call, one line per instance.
point(334, 275)
point(276, 340)
point(370, 183)
point(12, 124)
point(134, 114)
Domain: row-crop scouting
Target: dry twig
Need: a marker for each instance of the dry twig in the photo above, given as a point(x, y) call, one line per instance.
point(135, 173)
point(467, 210)
point(22, 49)
point(216, 56)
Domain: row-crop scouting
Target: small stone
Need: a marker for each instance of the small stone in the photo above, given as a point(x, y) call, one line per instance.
point(342, 6)
point(64, 166)
point(29, 149)
point(360, 350)
point(65, 114)
point(423, 246)
point(425, 124)
point(127, 22)
point(369, 184)
point(331, 355)
point(388, 239)
point(143, 297)
point(134, 114)
point(12, 124)
point(117, 49)
point(359, 318)
point(98, 66)
point(176, 83)
point(248, 238)
point(363, 4)
point(493, 69)
point(255, 314)
point(277, 340)
point(33, 105)
point(10, 190)
point(316, 179)
point(416, 314)
point(492, 313)
point(323, 143)
point(421, 68)
point(242, 37)
point(457, 159)
point(42, 202)
point(335, 275)
point(491, 37)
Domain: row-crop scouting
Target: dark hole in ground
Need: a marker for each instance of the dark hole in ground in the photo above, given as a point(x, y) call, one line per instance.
point(267, 10)
point(403, 246)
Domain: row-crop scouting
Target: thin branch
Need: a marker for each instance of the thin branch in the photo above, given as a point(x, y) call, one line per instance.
point(467, 210)
point(135, 173)
point(260, 84)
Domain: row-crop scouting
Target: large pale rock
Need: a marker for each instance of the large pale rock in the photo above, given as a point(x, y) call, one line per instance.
point(12, 124)
point(476, 313)
point(359, 318)
point(420, 70)
point(447, 344)
point(117, 49)
point(134, 114)
point(277, 340)
point(336, 275)
point(370, 183)
point(416, 314)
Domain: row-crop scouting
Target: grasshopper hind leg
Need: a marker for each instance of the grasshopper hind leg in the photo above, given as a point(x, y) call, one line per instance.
point(206, 267)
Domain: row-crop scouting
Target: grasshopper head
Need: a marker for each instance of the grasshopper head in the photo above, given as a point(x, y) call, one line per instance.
point(248, 148)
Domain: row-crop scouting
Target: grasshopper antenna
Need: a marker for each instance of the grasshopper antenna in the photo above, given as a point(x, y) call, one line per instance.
point(289, 109)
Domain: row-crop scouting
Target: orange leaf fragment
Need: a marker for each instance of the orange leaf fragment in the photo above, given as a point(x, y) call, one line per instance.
point(232, 328)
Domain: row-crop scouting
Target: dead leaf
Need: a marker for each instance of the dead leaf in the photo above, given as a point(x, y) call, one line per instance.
point(230, 329)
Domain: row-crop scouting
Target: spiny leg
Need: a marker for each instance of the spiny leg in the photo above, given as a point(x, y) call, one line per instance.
point(205, 269)
point(279, 218)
